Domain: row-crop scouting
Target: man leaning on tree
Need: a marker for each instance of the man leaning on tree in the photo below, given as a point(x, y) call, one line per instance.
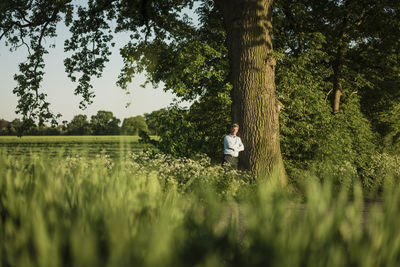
point(232, 146)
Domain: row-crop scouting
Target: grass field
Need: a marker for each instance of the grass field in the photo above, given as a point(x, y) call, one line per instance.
point(89, 145)
point(146, 209)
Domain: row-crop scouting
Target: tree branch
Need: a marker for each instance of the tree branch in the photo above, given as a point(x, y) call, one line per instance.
point(5, 32)
point(326, 97)
point(39, 46)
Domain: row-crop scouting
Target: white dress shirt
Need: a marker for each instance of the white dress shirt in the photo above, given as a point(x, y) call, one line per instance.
point(232, 145)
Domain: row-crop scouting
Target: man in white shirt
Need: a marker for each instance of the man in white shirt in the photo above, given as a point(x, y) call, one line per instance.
point(232, 146)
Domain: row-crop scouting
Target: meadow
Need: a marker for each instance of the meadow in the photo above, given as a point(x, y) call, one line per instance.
point(133, 208)
point(89, 145)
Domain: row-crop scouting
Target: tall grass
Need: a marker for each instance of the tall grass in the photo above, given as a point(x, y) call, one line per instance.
point(152, 210)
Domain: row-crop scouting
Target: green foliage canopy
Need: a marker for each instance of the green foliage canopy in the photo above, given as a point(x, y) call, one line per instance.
point(104, 123)
point(79, 125)
point(132, 125)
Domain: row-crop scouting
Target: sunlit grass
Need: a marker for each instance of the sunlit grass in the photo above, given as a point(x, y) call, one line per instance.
point(91, 145)
point(145, 209)
point(69, 139)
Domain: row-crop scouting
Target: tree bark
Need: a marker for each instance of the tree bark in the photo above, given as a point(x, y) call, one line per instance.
point(337, 83)
point(252, 68)
point(339, 61)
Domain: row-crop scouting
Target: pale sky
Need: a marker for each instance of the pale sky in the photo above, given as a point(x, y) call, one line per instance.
point(60, 89)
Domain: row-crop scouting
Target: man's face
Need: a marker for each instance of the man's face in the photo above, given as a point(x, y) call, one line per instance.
point(234, 130)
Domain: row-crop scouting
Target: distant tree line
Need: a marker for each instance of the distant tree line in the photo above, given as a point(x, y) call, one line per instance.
point(102, 123)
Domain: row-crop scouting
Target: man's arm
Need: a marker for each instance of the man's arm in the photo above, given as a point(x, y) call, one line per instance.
point(240, 146)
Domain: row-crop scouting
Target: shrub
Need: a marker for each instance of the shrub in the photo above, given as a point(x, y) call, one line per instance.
point(382, 166)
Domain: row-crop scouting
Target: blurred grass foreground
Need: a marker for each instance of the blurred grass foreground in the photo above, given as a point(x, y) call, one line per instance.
point(148, 209)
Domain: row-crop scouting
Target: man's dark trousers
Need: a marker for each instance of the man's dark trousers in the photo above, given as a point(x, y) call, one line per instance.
point(230, 160)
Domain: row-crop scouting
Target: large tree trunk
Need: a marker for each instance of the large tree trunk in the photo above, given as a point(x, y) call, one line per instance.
point(255, 107)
